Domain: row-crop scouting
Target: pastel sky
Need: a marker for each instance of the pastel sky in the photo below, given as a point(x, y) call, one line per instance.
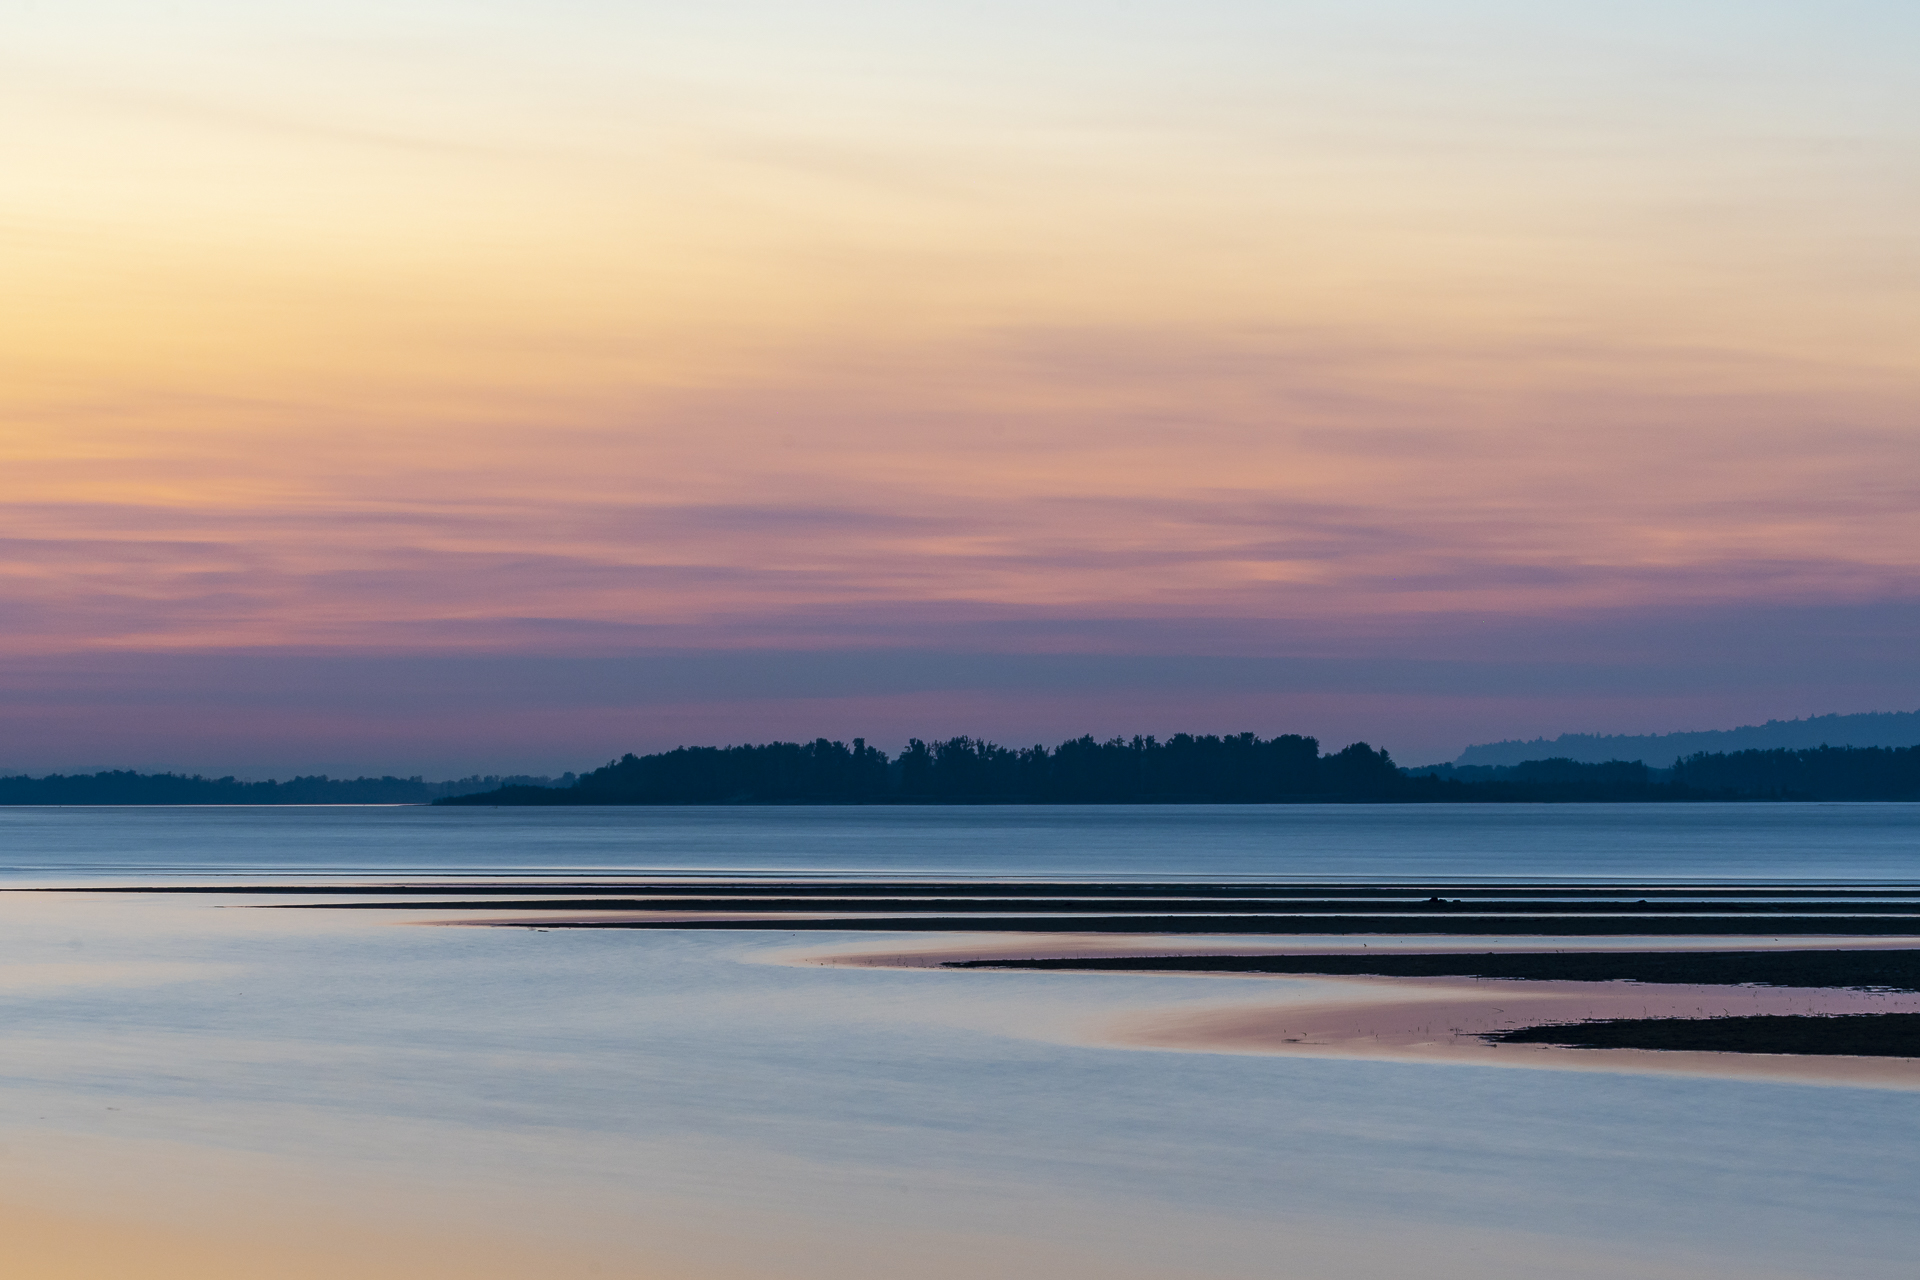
point(431, 387)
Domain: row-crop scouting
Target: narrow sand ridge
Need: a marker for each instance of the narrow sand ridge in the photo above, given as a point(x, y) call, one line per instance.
point(932, 954)
point(1440, 1020)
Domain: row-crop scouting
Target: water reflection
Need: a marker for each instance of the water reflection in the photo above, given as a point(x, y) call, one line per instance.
point(237, 1092)
point(654, 1091)
point(1828, 842)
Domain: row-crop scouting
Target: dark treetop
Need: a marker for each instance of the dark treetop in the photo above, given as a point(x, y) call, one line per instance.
point(1241, 768)
point(1184, 769)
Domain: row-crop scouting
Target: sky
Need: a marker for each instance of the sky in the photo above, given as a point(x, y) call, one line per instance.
point(423, 387)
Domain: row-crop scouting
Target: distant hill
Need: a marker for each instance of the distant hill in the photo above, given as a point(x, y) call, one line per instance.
point(1872, 729)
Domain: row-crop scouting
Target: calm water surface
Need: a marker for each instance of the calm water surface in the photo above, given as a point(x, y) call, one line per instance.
point(693, 1104)
point(1868, 842)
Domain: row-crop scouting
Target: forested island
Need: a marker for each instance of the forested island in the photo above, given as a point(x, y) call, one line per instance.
point(1183, 769)
point(1189, 769)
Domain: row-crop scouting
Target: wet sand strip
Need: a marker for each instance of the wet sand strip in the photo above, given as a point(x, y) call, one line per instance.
point(1166, 907)
point(1435, 896)
point(1469, 1023)
point(1878, 969)
point(1520, 1008)
point(1540, 925)
point(1163, 906)
point(1819, 1031)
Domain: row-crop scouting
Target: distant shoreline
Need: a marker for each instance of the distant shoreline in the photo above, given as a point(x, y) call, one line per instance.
point(1182, 770)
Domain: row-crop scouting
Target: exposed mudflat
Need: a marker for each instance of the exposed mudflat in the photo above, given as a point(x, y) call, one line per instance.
point(1501, 1005)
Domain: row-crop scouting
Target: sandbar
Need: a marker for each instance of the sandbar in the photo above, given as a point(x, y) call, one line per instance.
point(1442, 1020)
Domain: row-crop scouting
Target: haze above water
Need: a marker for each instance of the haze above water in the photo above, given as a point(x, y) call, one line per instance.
point(290, 1089)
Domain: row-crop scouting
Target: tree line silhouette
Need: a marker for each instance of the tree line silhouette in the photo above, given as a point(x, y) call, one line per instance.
point(1784, 773)
point(1183, 769)
point(1190, 769)
point(1817, 773)
point(124, 786)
